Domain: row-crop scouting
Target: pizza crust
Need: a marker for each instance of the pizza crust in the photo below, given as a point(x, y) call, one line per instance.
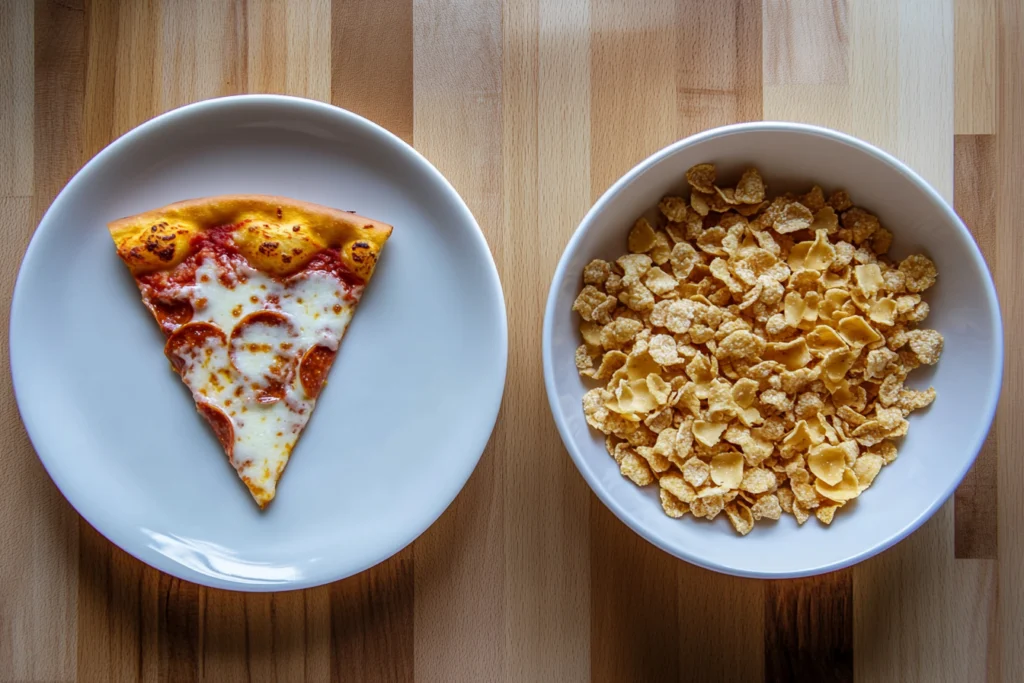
point(276, 235)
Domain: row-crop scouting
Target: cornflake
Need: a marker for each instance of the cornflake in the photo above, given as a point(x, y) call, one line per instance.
point(752, 351)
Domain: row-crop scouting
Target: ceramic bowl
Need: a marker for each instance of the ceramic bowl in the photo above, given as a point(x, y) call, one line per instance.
point(943, 439)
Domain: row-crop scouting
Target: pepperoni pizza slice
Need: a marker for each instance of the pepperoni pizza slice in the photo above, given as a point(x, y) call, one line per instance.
point(254, 294)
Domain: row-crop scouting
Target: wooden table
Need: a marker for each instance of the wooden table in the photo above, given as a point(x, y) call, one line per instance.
point(531, 108)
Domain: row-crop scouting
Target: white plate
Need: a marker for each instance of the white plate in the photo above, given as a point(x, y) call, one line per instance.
point(411, 400)
point(943, 439)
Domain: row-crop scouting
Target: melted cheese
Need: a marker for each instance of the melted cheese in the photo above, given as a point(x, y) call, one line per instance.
point(317, 308)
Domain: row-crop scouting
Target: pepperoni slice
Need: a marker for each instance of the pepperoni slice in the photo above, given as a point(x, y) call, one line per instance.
point(268, 318)
point(263, 351)
point(171, 314)
point(313, 369)
point(221, 425)
point(187, 339)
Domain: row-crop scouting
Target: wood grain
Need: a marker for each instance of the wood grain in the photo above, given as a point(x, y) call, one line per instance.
point(119, 615)
point(898, 95)
point(809, 636)
point(371, 622)
point(371, 615)
point(1010, 285)
point(715, 88)
point(806, 43)
point(976, 509)
point(633, 584)
point(289, 47)
point(38, 598)
point(531, 108)
point(546, 188)
point(460, 601)
point(16, 87)
point(371, 62)
point(975, 77)
point(638, 631)
point(808, 65)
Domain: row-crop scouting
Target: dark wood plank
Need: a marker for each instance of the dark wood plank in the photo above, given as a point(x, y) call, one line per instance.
point(179, 626)
point(977, 501)
point(809, 629)
point(59, 86)
point(372, 623)
point(371, 614)
point(371, 61)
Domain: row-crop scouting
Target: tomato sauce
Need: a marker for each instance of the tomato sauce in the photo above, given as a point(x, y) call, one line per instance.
point(329, 261)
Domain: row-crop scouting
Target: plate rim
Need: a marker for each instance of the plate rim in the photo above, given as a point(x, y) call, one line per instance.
point(550, 314)
point(16, 354)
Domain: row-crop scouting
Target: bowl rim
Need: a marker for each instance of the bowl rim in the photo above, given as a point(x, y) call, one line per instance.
point(988, 410)
point(338, 116)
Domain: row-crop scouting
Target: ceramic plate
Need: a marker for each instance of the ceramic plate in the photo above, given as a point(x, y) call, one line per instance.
point(118, 431)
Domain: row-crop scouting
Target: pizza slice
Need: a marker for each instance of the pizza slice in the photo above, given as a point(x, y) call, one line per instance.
point(254, 294)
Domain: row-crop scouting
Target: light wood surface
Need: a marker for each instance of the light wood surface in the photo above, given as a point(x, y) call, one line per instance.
point(532, 108)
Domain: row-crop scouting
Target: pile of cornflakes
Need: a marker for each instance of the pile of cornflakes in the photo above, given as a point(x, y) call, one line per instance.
point(753, 352)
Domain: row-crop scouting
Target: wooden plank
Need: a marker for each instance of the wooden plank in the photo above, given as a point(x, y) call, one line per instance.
point(41, 88)
point(203, 47)
point(919, 614)
point(110, 582)
point(370, 76)
point(809, 629)
point(975, 517)
point(141, 60)
point(108, 606)
point(38, 529)
point(898, 96)
point(974, 83)
point(16, 88)
point(277, 635)
point(637, 54)
point(460, 601)
point(806, 43)
point(372, 623)
point(283, 48)
point(545, 151)
point(1010, 286)
point(715, 87)
point(289, 47)
point(975, 185)
point(135, 76)
point(102, 17)
point(807, 61)
point(133, 622)
point(371, 615)
point(714, 609)
point(633, 622)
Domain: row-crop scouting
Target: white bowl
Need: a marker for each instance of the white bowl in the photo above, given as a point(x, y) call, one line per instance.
point(943, 440)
